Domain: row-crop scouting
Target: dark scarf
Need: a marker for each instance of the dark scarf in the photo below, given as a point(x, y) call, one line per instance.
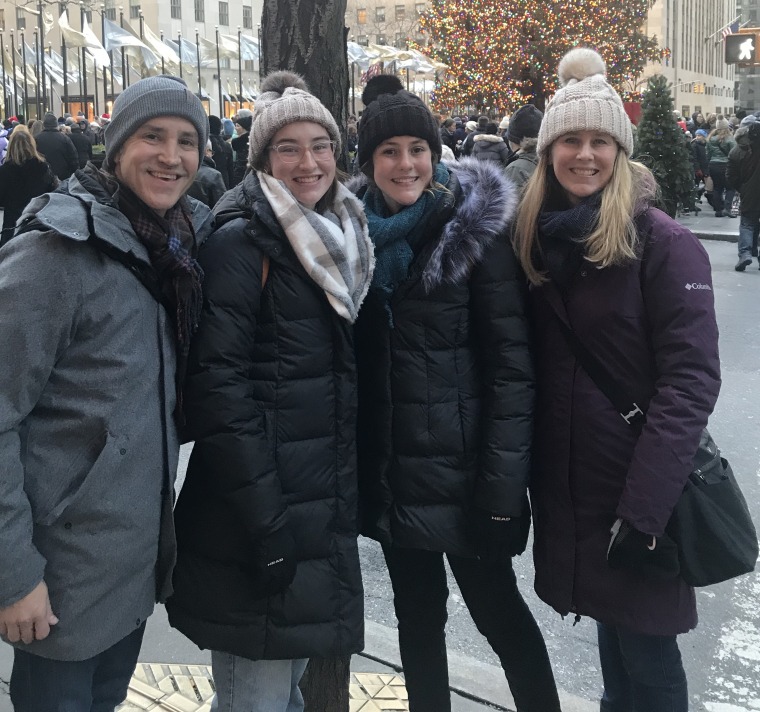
point(397, 238)
point(561, 236)
point(170, 241)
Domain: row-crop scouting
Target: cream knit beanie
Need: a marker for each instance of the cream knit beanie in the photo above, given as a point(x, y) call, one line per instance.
point(285, 99)
point(584, 102)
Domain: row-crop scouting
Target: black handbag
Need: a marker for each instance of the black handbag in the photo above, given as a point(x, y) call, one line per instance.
point(711, 523)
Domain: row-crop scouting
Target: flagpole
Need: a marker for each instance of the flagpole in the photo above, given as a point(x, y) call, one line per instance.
point(15, 85)
point(198, 59)
point(37, 107)
point(142, 64)
point(720, 29)
point(163, 68)
point(179, 45)
point(50, 54)
point(41, 29)
point(5, 87)
point(65, 75)
point(110, 58)
point(219, 71)
point(124, 63)
point(258, 29)
point(239, 97)
point(26, 80)
point(84, 66)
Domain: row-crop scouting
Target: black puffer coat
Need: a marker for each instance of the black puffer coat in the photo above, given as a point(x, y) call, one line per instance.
point(271, 404)
point(446, 394)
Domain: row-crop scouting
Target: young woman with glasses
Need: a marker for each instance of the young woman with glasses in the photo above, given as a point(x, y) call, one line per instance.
point(268, 568)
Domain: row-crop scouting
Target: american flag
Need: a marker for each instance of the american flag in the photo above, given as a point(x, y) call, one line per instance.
point(373, 71)
point(731, 29)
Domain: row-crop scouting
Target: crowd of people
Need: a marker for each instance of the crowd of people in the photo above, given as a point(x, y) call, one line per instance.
point(390, 356)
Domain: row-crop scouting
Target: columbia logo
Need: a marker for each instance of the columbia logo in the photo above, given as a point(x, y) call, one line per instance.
point(696, 285)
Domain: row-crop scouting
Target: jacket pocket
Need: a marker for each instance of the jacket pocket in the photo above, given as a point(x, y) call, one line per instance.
point(78, 484)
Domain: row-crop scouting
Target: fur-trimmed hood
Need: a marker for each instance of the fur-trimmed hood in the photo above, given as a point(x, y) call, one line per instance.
point(483, 203)
point(490, 138)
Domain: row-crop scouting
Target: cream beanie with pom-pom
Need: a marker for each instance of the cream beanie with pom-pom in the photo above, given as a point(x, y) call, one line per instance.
point(584, 102)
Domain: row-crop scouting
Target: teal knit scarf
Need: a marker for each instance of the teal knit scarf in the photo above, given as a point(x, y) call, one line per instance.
point(395, 236)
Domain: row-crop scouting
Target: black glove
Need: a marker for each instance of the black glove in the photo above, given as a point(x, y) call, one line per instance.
point(655, 557)
point(499, 538)
point(274, 564)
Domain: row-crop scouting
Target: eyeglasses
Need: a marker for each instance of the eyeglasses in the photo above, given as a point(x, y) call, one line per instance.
point(293, 152)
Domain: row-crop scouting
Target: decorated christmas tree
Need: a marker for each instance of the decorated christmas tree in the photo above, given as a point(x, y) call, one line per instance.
point(505, 53)
point(663, 148)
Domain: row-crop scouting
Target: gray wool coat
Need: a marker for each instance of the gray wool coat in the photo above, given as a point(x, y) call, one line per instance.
point(88, 444)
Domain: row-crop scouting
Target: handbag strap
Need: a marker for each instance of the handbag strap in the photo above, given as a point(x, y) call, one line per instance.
point(628, 409)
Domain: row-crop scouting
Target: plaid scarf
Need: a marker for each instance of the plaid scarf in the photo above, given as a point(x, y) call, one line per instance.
point(334, 249)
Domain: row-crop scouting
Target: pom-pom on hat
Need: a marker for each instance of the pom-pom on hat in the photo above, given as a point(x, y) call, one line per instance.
point(584, 102)
point(391, 111)
point(722, 123)
point(284, 99)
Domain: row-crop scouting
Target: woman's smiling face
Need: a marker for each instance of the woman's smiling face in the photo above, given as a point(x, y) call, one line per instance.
point(402, 170)
point(583, 162)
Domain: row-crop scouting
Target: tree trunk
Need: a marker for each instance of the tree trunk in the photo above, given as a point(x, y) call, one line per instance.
point(309, 37)
point(325, 684)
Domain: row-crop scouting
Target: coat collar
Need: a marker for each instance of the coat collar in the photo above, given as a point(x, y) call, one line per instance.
point(481, 205)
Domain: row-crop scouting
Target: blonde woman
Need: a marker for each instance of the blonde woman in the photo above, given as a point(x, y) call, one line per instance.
point(24, 175)
point(719, 145)
point(605, 263)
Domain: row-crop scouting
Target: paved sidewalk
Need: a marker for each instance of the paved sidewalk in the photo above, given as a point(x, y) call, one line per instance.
point(707, 227)
point(173, 676)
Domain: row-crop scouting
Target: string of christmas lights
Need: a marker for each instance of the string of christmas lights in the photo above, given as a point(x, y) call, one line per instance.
point(504, 53)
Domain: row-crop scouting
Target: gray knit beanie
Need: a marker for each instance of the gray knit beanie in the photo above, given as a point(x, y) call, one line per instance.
point(148, 99)
point(285, 99)
point(50, 121)
point(584, 102)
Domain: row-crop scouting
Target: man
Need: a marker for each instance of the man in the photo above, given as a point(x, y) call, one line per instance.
point(81, 143)
point(243, 122)
point(222, 153)
point(99, 295)
point(57, 148)
point(743, 174)
point(469, 142)
point(522, 134)
point(208, 185)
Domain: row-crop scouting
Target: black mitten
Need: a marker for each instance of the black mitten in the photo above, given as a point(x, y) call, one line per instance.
point(499, 538)
point(656, 557)
point(274, 562)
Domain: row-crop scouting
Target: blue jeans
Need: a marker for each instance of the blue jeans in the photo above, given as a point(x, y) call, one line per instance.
point(97, 684)
point(489, 590)
point(244, 685)
point(749, 226)
point(642, 673)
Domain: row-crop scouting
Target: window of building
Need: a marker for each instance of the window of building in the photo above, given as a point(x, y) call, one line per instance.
point(419, 8)
point(380, 14)
point(400, 12)
point(224, 13)
point(20, 19)
point(248, 65)
point(382, 39)
point(176, 9)
point(753, 16)
point(247, 17)
point(200, 11)
point(361, 16)
point(111, 10)
point(224, 62)
point(362, 40)
point(134, 10)
point(400, 40)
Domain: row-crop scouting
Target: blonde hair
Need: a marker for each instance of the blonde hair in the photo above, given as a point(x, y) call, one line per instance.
point(22, 147)
point(720, 134)
point(613, 240)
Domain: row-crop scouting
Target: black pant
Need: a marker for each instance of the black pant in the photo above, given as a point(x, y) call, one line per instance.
point(720, 201)
point(97, 684)
point(499, 612)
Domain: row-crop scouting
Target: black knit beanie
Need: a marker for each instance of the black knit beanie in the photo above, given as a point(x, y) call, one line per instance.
point(525, 123)
point(214, 125)
point(394, 113)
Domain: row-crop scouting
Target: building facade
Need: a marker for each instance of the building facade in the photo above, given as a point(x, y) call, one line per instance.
point(691, 30)
point(748, 78)
point(170, 18)
point(384, 22)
